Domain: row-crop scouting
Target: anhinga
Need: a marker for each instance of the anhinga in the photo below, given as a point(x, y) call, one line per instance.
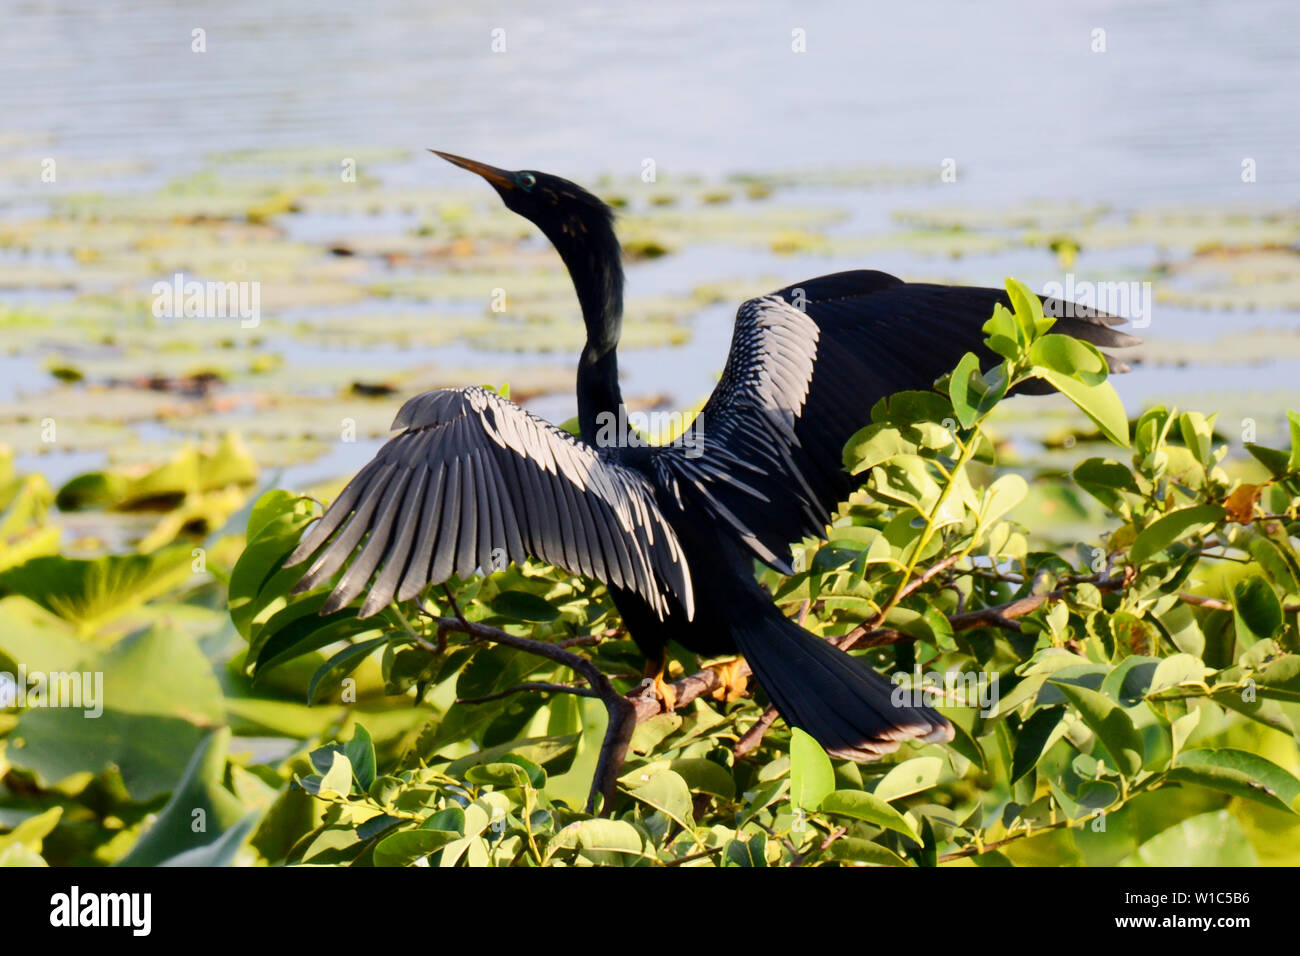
point(673, 534)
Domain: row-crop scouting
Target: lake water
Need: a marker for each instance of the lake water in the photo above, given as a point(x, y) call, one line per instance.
point(1016, 94)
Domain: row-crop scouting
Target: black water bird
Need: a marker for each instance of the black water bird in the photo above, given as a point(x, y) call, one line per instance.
point(673, 531)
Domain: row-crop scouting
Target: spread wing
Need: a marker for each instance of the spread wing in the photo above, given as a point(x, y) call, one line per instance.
point(473, 481)
point(807, 363)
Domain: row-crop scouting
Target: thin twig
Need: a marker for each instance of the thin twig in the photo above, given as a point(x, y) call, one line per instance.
point(540, 686)
point(835, 835)
point(622, 715)
point(865, 635)
point(1000, 615)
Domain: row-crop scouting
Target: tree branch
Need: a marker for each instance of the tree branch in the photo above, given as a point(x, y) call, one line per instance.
point(540, 686)
point(869, 635)
point(622, 715)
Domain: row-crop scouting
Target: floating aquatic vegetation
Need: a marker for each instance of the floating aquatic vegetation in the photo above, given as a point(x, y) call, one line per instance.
point(476, 285)
point(1039, 214)
point(1266, 277)
point(952, 244)
point(569, 337)
point(299, 158)
point(29, 437)
point(89, 593)
point(189, 472)
point(283, 452)
point(845, 177)
point(75, 171)
point(740, 225)
point(388, 329)
point(735, 291)
point(185, 371)
point(25, 502)
point(336, 262)
point(640, 248)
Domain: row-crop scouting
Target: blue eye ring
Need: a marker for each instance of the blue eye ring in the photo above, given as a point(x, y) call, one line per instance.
point(527, 181)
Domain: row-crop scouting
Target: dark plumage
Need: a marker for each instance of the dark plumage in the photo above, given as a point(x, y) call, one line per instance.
point(473, 480)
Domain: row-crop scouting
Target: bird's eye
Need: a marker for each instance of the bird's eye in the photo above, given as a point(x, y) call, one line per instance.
point(527, 180)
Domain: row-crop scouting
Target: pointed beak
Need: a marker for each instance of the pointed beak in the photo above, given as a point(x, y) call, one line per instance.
point(497, 177)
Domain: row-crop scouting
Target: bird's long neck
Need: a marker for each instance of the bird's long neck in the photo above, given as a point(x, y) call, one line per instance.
point(591, 253)
point(600, 401)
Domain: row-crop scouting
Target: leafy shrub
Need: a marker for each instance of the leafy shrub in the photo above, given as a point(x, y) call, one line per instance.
point(1100, 694)
point(1129, 697)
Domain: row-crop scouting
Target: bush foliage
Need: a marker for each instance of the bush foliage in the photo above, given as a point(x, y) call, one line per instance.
point(1129, 698)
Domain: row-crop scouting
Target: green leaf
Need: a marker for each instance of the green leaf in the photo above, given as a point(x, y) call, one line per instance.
point(159, 697)
point(90, 593)
point(1278, 562)
point(510, 771)
point(857, 850)
point(705, 776)
point(811, 775)
point(1001, 496)
point(337, 781)
point(406, 846)
point(221, 851)
point(35, 637)
point(1129, 681)
point(1180, 731)
point(360, 751)
point(1256, 611)
point(965, 400)
point(668, 793)
point(602, 841)
point(1278, 678)
point(874, 445)
point(1113, 727)
point(906, 479)
point(539, 749)
point(1293, 461)
point(748, 853)
point(1206, 840)
point(197, 814)
point(1067, 355)
point(1028, 309)
point(1174, 526)
point(31, 833)
point(259, 579)
point(572, 785)
point(1177, 669)
point(1003, 333)
point(298, 630)
point(1104, 479)
point(340, 665)
point(269, 506)
point(1099, 402)
point(1198, 436)
point(1239, 773)
point(1277, 462)
point(869, 807)
point(1032, 740)
point(522, 606)
point(910, 776)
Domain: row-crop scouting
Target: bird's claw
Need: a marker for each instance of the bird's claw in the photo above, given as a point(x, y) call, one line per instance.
point(656, 686)
point(733, 682)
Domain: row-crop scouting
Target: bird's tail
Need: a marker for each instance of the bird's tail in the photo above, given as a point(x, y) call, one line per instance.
point(849, 708)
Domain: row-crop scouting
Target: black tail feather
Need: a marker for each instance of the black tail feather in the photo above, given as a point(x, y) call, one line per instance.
point(843, 703)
